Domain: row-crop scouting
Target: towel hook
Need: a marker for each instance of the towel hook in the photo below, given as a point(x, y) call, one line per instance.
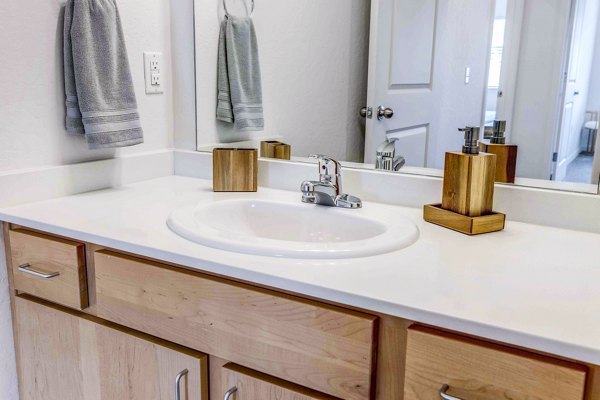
point(227, 12)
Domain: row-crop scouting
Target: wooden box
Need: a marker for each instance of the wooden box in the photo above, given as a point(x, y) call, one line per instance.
point(435, 214)
point(469, 183)
point(506, 160)
point(275, 149)
point(235, 170)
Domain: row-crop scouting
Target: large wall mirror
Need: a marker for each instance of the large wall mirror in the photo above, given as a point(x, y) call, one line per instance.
point(341, 77)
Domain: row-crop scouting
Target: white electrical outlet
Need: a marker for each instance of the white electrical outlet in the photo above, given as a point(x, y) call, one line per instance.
point(155, 79)
point(153, 72)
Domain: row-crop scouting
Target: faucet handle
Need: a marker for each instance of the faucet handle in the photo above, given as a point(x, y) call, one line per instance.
point(387, 148)
point(328, 167)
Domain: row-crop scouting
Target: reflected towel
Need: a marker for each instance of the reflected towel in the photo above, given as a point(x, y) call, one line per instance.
point(239, 98)
point(100, 95)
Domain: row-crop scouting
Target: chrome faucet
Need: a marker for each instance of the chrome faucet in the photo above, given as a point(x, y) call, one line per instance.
point(327, 191)
point(387, 160)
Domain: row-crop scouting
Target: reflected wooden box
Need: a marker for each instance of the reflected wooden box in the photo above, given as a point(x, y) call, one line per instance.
point(275, 149)
point(506, 160)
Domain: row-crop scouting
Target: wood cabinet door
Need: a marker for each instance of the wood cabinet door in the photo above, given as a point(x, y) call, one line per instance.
point(65, 355)
point(326, 348)
point(49, 268)
point(245, 384)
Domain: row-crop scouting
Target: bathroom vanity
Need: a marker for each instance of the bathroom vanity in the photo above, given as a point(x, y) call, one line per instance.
point(114, 305)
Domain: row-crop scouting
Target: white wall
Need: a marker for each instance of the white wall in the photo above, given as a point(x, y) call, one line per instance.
point(462, 40)
point(593, 99)
point(31, 82)
point(585, 60)
point(538, 84)
point(32, 107)
point(314, 77)
point(184, 78)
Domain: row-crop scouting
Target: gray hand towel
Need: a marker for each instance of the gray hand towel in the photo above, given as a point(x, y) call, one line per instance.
point(239, 99)
point(100, 95)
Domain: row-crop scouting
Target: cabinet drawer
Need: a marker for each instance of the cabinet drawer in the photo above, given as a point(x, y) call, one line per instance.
point(325, 348)
point(50, 268)
point(474, 370)
point(72, 356)
point(245, 384)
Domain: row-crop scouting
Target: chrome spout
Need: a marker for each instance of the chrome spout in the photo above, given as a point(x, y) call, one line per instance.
point(327, 191)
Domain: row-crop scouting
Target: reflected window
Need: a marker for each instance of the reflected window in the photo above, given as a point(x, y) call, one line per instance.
point(495, 68)
point(496, 53)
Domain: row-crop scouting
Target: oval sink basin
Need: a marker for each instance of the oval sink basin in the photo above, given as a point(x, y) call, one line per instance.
point(280, 229)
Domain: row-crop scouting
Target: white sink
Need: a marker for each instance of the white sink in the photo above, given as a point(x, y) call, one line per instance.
point(294, 230)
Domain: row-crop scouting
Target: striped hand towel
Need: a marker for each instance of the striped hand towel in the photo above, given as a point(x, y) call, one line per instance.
point(101, 99)
point(239, 98)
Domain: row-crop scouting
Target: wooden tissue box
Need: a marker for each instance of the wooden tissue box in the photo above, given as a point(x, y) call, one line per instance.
point(235, 170)
point(275, 149)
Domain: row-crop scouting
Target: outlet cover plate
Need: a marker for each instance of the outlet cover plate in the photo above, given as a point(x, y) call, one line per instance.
point(154, 72)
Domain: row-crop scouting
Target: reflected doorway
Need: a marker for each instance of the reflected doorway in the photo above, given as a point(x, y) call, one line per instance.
point(575, 154)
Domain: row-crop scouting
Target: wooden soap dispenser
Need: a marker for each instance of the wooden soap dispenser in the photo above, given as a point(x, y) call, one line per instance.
point(468, 193)
point(506, 154)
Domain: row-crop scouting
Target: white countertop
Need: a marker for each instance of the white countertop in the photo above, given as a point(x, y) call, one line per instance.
point(530, 286)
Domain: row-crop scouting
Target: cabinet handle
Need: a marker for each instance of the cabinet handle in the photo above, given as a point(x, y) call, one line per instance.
point(178, 383)
point(445, 396)
point(27, 269)
point(229, 393)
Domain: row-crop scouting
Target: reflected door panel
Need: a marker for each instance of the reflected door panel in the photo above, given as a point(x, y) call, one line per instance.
point(400, 76)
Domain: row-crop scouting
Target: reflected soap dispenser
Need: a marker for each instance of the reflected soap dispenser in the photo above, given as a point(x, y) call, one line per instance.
point(468, 191)
point(506, 161)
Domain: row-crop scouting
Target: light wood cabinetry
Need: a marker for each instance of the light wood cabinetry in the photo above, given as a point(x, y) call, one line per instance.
point(326, 348)
point(267, 344)
point(245, 384)
point(477, 370)
point(49, 267)
point(67, 356)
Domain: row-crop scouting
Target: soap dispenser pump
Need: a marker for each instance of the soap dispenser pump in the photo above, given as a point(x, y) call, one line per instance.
point(468, 190)
point(506, 162)
point(471, 145)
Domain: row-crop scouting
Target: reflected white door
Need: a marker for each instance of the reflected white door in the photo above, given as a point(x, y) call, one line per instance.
point(576, 85)
point(400, 76)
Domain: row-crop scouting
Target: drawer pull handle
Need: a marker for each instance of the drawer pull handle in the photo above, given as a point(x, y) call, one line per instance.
point(229, 393)
point(27, 269)
point(446, 396)
point(178, 379)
